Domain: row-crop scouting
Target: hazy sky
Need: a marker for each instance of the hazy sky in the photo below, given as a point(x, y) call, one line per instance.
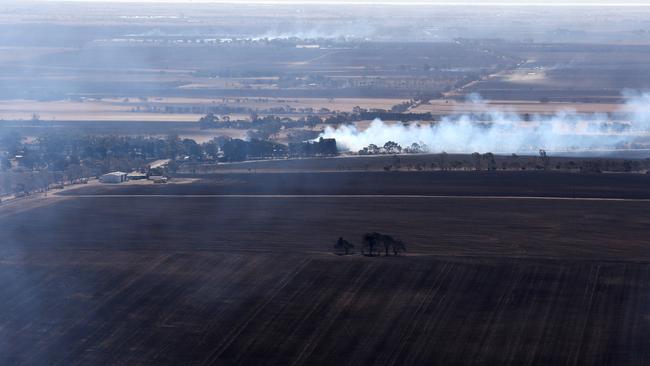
point(394, 2)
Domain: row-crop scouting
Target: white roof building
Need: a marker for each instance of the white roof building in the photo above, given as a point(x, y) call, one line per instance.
point(113, 177)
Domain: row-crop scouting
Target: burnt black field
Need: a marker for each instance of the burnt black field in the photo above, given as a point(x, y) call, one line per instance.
point(233, 263)
point(177, 274)
point(444, 183)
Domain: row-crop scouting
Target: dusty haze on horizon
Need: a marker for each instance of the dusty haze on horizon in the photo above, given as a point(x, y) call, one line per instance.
point(383, 2)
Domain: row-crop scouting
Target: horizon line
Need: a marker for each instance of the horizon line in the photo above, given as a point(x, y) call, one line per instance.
point(358, 3)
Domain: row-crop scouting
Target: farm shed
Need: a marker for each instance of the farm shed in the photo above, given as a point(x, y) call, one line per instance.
point(113, 177)
point(136, 176)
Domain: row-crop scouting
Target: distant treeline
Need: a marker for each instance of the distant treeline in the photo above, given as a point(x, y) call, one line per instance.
point(75, 156)
point(394, 116)
point(256, 122)
point(240, 150)
point(212, 120)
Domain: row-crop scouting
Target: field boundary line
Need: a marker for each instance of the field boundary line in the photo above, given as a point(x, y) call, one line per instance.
point(401, 196)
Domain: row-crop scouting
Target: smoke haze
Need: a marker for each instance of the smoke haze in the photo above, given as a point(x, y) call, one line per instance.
point(497, 130)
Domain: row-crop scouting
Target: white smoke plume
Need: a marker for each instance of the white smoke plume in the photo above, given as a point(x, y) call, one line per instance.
point(500, 131)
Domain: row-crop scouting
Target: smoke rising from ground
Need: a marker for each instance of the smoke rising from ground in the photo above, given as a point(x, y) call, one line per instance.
point(497, 130)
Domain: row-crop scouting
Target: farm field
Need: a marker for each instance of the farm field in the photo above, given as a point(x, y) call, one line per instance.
point(155, 109)
point(525, 237)
point(190, 273)
point(451, 107)
point(121, 127)
point(408, 162)
point(290, 224)
point(403, 183)
point(587, 73)
point(228, 309)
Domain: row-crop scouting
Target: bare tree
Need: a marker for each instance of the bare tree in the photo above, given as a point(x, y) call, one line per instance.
point(392, 147)
point(443, 160)
point(544, 158)
point(489, 159)
point(391, 243)
point(370, 242)
point(388, 242)
point(398, 246)
point(374, 241)
point(343, 245)
point(476, 158)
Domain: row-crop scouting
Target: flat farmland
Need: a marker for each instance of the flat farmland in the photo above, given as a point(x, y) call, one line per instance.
point(402, 183)
point(310, 225)
point(159, 109)
point(75, 308)
point(223, 271)
point(350, 69)
point(451, 107)
point(592, 73)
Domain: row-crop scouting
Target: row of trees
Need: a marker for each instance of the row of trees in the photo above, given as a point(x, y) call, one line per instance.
point(29, 181)
point(373, 243)
point(240, 150)
point(61, 152)
point(488, 161)
point(479, 161)
point(256, 122)
point(322, 147)
point(392, 147)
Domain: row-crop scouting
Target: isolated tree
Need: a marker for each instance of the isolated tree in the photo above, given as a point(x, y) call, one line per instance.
point(373, 149)
point(388, 243)
point(544, 158)
point(343, 245)
point(208, 121)
point(370, 242)
point(398, 247)
point(476, 158)
point(491, 163)
point(374, 241)
point(443, 160)
point(392, 147)
point(391, 244)
point(415, 148)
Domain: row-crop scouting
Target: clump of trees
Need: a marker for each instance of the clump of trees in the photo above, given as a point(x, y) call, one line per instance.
point(322, 147)
point(240, 150)
point(487, 158)
point(546, 161)
point(391, 148)
point(264, 126)
point(373, 244)
point(343, 245)
point(60, 151)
